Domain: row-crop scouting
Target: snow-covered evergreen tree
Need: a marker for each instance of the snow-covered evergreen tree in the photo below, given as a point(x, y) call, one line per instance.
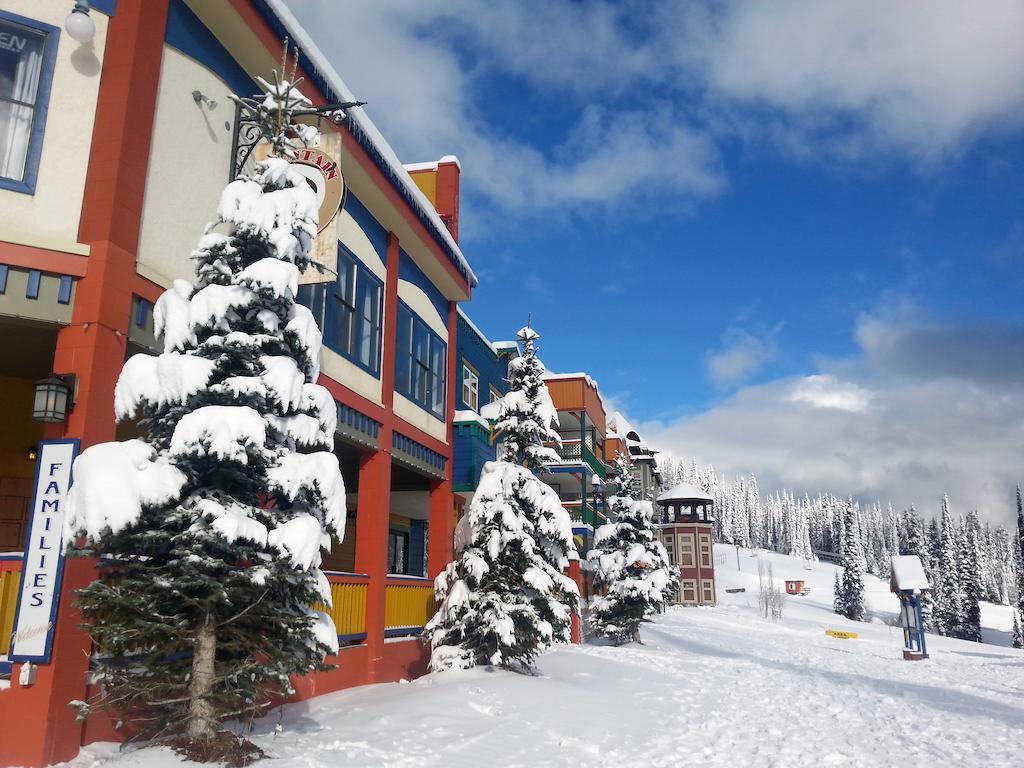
point(210, 527)
point(949, 592)
point(970, 580)
point(1019, 557)
point(506, 598)
point(629, 564)
point(849, 597)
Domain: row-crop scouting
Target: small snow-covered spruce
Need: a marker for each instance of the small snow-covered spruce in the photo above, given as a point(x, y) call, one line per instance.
point(849, 595)
point(506, 598)
point(629, 564)
point(210, 528)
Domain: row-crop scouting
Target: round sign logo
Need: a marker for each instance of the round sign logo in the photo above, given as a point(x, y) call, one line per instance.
point(324, 177)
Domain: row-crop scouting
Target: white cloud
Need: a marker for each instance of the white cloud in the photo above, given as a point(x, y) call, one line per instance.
point(656, 89)
point(919, 75)
point(743, 353)
point(862, 427)
point(826, 391)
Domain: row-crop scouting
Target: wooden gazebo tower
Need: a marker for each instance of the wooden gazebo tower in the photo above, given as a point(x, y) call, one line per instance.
point(686, 528)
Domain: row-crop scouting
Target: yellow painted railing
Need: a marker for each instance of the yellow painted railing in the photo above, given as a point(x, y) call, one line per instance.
point(408, 603)
point(10, 580)
point(348, 609)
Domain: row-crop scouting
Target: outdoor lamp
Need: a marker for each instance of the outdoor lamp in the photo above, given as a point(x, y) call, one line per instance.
point(79, 23)
point(54, 397)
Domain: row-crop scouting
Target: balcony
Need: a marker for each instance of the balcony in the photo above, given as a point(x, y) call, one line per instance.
point(579, 453)
point(471, 449)
point(408, 605)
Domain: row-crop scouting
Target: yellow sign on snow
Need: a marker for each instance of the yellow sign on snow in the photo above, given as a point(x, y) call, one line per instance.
point(841, 635)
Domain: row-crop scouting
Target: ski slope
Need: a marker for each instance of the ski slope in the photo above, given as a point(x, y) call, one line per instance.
point(709, 687)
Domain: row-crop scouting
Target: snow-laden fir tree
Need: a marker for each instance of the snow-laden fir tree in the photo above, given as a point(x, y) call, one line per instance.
point(849, 592)
point(209, 529)
point(629, 564)
point(949, 590)
point(970, 580)
point(1020, 562)
point(506, 598)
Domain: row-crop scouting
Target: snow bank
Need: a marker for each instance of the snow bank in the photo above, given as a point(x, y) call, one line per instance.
point(113, 482)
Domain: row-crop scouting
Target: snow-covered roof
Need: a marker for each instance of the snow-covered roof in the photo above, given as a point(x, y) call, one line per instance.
point(432, 164)
point(506, 346)
point(685, 492)
point(322, 67)
point(550, 376)
point(908, 573)
point(471, 416)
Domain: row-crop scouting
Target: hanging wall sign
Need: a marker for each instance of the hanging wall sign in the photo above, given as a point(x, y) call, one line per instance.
point(320, 168)
point(43, 567)
point(323, 174)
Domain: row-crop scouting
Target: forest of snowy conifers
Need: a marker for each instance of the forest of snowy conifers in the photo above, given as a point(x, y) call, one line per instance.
point(966, 559)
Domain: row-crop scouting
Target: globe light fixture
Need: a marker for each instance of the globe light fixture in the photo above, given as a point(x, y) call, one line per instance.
point(54, 398)
point(79, 23)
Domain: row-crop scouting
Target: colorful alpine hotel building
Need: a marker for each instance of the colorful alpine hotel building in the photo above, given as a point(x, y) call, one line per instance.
point(116, 152)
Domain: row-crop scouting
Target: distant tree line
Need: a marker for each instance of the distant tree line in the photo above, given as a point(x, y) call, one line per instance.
point(967, 560)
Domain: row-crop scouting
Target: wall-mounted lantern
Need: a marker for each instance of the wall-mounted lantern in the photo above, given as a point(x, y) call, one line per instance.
point(79, 23)
point(54, 398)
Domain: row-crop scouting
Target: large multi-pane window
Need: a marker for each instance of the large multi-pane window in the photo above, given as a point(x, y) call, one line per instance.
point(420, 362)
point(349, 312)
point(26, 66)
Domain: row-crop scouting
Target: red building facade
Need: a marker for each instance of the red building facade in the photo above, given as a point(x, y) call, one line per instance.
point(118, 183)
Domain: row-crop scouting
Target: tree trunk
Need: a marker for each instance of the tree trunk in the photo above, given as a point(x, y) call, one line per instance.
point(202, 715)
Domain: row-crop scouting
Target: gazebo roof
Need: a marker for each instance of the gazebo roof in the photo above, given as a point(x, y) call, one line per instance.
point(685, 492)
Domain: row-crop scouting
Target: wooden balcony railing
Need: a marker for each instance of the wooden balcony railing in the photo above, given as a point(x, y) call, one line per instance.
point(10, 580)
point(409, 605)
point(348, 609)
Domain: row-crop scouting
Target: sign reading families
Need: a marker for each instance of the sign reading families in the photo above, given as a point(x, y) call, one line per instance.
point(32, 638)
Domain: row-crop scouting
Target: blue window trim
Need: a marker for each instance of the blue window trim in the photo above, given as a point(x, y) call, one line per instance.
point(400, 387)
point(35, 148)
point(141, 312)
point(327, 315)
point(32, 288)
point(64, 290)
point(4, 269)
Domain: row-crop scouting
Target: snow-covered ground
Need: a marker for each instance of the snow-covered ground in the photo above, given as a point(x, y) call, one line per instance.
point(710, 686)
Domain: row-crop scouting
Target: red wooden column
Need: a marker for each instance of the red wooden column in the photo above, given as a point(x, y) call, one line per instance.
point(441, 531)
point(39, 725)
point(373, 507)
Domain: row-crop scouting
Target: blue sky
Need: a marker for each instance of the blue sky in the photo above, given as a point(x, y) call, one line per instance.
point(786, 238)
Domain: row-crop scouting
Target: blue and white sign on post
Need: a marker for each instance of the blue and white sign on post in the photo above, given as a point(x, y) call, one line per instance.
point(34, 618)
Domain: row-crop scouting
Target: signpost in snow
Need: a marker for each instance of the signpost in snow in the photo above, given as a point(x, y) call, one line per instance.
point(909, 582)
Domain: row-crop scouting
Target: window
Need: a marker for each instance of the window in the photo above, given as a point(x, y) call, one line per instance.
point(689, 590)
point(686, 555)
point(708, 591)
point(420, 362)
point(398, 546)
point(27, 51)
point(470, 387)
point(349, 312)
point(705, 551)
point(495, 395)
